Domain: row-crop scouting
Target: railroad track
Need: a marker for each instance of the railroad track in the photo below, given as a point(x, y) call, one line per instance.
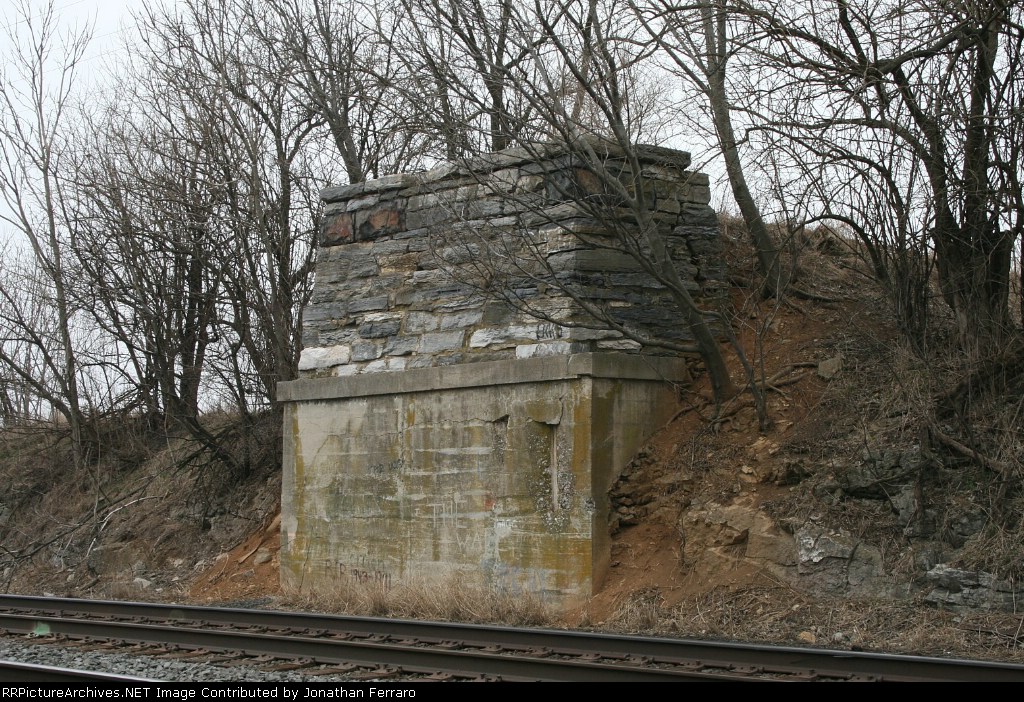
point(366, 646)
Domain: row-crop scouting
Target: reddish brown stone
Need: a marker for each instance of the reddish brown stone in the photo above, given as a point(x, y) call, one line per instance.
point(336, 230)
point(377, 222)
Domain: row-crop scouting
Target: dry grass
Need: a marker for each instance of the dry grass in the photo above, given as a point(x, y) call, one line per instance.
point(458, 597)
point(779, 614)
point(640, 612)
point(128, 590)
point(975, 450)
point(135, 508)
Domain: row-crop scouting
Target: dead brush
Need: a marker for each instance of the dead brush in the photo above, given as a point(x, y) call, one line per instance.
point(746, 613)
point(997, 550)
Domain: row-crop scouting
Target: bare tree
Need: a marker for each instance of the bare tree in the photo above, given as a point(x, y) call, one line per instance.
point(28, 335)
point(196, 197)
point(36, 83)
point(701, 43)
point(463, 57)
point(148, 198)
point(344, 64)
point(260, 156)
point(942, 84)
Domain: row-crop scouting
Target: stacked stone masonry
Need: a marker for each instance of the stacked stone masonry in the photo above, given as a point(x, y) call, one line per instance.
point(406, 262)
point(459, 413)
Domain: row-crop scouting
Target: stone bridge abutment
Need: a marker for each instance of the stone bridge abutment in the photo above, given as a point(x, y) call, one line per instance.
point(460, 410)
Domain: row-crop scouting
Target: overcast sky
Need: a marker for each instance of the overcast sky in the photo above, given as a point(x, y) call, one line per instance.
point(108, 20)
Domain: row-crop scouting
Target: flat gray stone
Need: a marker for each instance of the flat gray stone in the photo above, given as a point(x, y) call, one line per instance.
point(419, 322)
point(441, 341)
point(401, 345)
point(830, 367)
point(379, 330)
point(460, 320)
point(366, 351)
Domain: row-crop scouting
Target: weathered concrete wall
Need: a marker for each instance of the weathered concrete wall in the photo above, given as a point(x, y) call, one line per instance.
point(439, 426)
point(502, 470)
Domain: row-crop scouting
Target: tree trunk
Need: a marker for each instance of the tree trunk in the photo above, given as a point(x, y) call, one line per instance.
point(715, 38)
point(975, 280)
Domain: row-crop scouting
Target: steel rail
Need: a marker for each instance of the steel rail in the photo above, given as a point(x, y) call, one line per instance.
point(13, 671)
point(862, 665)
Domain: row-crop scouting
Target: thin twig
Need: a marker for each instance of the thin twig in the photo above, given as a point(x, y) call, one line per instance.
point(990, 463)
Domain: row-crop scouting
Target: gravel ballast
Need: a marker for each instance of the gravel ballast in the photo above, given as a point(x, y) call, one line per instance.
point(150, 667)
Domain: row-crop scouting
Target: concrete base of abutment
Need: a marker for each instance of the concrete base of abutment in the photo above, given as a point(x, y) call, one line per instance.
point(494, 473)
